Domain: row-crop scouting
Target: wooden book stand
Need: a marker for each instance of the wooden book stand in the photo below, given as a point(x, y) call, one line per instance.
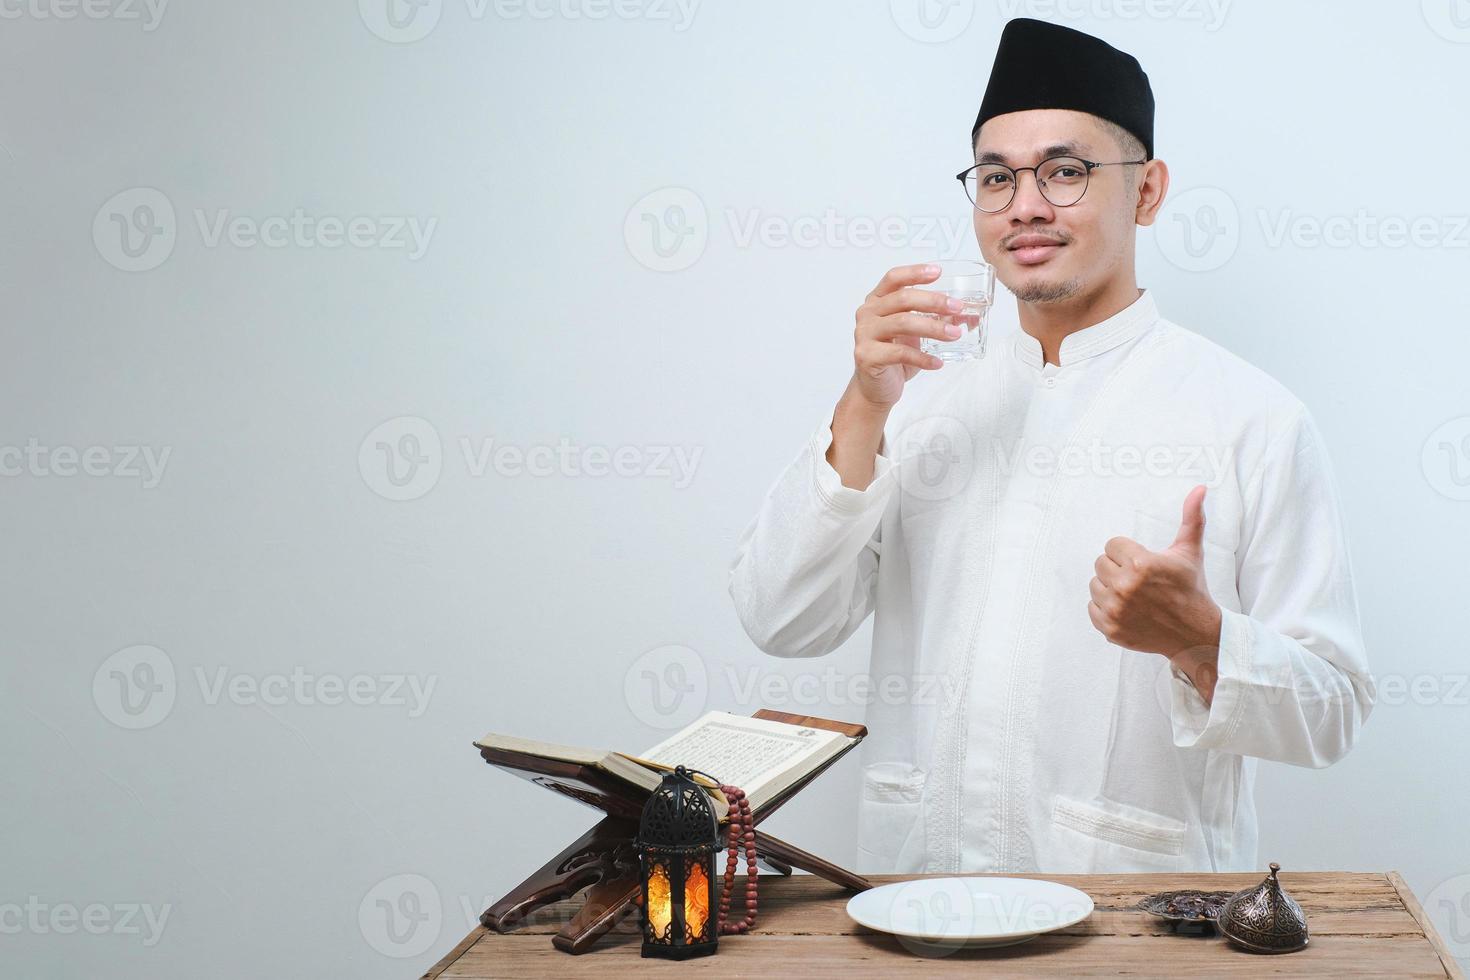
point(604, 858)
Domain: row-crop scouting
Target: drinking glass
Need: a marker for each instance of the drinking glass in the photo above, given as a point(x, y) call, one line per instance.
point(972, 283)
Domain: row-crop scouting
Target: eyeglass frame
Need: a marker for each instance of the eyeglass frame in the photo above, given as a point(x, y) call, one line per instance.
point(1016, 172)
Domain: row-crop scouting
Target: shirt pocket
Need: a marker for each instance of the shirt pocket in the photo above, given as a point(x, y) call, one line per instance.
point(1122, 837)
point(891, 818)
point(1157, 533)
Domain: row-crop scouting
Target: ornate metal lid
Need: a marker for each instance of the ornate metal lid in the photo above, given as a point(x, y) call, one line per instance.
point(1265, 919)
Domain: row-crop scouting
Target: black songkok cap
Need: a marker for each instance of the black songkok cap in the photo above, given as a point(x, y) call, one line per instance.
point(1047, 66)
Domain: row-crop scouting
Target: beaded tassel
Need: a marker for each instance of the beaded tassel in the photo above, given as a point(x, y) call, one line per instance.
point(742, 833)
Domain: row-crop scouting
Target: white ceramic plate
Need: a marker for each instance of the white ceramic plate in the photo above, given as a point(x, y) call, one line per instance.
point(972, 910)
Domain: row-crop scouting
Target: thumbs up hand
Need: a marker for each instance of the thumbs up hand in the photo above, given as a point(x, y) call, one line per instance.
point(1157, 601)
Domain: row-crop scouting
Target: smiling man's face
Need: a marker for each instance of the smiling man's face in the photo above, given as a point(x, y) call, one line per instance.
point(1049, 254)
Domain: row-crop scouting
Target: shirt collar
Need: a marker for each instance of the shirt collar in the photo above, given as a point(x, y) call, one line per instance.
point(1103, 336)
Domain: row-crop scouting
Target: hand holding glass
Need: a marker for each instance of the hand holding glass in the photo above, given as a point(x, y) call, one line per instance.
point(973, 284)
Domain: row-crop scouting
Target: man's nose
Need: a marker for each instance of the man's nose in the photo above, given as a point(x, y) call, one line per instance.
point(1029, 202)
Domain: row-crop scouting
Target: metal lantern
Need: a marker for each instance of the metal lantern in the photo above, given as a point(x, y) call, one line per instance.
point(678, 837)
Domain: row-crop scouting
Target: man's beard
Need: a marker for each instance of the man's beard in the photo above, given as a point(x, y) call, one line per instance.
point(1047, 292)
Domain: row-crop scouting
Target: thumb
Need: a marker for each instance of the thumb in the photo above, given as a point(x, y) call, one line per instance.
point(1191, 536)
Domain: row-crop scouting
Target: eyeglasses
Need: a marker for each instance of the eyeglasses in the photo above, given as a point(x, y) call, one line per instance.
point(1062, 181)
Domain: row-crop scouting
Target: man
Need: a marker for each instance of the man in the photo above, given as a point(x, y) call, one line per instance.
point(1073, 669)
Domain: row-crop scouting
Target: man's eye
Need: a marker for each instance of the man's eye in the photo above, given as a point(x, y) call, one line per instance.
point(994, 180)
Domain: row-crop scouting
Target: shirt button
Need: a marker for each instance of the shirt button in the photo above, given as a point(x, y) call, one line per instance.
point(1051, 382)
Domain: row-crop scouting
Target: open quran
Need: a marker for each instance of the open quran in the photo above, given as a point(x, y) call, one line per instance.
point(764, 757)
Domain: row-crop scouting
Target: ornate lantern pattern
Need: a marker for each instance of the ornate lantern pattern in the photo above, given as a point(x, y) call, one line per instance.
point(678, 836)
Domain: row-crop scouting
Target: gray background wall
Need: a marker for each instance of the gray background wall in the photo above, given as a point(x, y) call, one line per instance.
point(296, 505)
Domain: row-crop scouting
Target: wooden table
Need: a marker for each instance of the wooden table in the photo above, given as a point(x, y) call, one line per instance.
point(1361, 923)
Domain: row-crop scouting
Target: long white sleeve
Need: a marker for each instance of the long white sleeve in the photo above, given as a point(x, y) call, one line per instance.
point(1293, 682)
point(805, 569)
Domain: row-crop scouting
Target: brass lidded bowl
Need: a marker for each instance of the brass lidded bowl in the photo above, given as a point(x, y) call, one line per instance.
point(1265, 919)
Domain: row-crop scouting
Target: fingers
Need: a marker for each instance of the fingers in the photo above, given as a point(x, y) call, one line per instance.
point(904, 275)
point(917, 300)
point(874, 355)
point(1124, 551)
point(909, 325)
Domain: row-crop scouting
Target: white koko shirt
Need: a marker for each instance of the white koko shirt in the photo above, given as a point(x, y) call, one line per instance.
point(1005, 732)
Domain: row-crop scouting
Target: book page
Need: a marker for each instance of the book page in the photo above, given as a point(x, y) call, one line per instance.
point(741, 751)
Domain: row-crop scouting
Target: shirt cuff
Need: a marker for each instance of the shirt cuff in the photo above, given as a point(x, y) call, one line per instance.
point(1210, 726)
point(829, 483)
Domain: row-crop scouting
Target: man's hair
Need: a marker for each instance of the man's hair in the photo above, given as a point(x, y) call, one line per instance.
point(1129, 146)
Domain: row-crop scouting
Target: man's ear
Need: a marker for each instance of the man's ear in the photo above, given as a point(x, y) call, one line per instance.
point(1153, 184)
